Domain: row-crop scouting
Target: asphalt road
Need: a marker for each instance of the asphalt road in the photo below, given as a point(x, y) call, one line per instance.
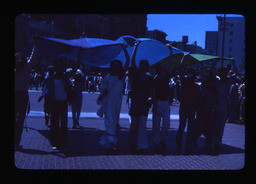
point(89, 103)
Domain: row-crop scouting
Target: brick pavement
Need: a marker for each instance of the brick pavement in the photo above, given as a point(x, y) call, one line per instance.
point(85, 152)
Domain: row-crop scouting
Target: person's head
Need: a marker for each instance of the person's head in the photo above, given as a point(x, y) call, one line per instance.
point(59, 66)
point(50, 69)
point(116, 68)
point(222, 73)
point(78, 76)
point(191, 74)
point(20, 61)
point(210, 82)
point(144, 66)
point(161, 70)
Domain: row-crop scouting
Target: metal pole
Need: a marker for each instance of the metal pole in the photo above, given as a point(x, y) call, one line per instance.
point(223, 40)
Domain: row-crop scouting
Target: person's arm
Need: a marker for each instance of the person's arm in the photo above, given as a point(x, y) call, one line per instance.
point(127, 57)
point(134, 53)
point(171, 59)
point(181, 67)
point(77, 65)
point(32, 58)
point(234, 67)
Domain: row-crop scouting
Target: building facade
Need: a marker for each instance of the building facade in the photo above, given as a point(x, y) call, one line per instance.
point(157, 35)
point(211, 42)
point(234, 43)
point(73, 26)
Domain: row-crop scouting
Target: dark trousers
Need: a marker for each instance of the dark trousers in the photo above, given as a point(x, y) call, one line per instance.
point(21, 103)
point(58, 131)
point(186, 112)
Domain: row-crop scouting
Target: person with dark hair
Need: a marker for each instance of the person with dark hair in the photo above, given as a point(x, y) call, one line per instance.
point(58, 90)
point(161, 104)
point(189, 97)
point(222, 104)
point(78, 97)
point(141, 101)
point(21, 85)
point(110, 98)
point(206, 111)
point(234, 99)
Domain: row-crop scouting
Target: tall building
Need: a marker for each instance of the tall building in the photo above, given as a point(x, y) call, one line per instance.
point(191, 48)
point(234, 43)
point(211, 41)
point(72, 26)
point(127, 24)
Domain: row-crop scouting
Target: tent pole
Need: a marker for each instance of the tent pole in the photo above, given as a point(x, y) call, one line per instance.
point(223, 40)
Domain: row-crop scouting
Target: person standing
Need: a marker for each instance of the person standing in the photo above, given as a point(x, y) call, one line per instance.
point(234, 99)
point(76, 104)
point(58, 90)
point(110, 98)
point(141, 101)
point(21, 97)
point(205, 115)
point(223, 84)
point(161, 105)
point(50, 72)
point(189, 97)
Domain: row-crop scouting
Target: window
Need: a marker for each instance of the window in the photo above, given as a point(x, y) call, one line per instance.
point(231, 33)
point(231, 24)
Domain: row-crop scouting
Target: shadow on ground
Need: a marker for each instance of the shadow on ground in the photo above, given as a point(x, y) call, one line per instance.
point(84, 142)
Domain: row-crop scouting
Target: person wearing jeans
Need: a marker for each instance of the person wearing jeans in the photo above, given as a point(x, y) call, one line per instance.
point(141, 100)
point(189, 98)
point(161, 105)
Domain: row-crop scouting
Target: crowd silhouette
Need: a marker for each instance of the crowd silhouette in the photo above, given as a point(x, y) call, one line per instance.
point(204, 107)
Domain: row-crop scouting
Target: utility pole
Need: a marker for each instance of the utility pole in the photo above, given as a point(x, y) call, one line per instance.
point(223, 40)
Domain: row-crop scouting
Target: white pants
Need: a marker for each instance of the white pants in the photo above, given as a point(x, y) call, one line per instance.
point(162, 110)
point(138, 131)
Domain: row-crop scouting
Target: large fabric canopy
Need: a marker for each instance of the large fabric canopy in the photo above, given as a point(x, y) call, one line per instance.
point(100, 52)
point(204, 57)
point(95, 51)
point(149, 49)
point(191, 59)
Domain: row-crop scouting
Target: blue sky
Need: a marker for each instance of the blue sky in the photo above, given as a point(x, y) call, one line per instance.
point(191, 25)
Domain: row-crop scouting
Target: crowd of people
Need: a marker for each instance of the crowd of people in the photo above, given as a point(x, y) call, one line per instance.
point(204, 108)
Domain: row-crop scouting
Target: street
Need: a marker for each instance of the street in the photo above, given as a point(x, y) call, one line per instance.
point(85, 152)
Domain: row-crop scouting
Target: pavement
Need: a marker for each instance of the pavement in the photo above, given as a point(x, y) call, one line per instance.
point(86, 154)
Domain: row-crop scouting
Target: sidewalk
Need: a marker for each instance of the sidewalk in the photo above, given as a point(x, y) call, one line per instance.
point(85, 152)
